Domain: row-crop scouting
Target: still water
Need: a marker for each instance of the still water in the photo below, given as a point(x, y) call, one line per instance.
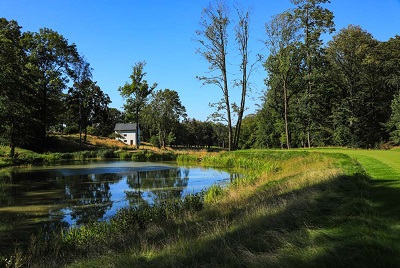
point(37, 198)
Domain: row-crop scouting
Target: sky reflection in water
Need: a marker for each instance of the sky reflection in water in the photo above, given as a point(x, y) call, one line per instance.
point(76, 194)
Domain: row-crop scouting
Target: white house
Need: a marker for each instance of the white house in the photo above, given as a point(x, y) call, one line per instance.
point(127, 133)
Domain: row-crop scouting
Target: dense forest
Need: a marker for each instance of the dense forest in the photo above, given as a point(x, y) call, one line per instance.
point(344, 92)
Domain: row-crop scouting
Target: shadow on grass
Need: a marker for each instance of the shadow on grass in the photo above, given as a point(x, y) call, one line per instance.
point(385, 196)
point(343, 222)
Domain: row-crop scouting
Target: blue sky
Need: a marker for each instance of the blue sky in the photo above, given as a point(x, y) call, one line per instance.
point(114, 35)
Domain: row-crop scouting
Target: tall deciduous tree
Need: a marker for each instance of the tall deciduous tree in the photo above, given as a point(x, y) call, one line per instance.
point(80, 90)
point(50, 56)
point(283, 64)
point(354, 75)
point(89, 104)
point(213, 40)
point(242, 35)
point(136, 93)
point(15, 93)
point(314, 20)
point(165, 111)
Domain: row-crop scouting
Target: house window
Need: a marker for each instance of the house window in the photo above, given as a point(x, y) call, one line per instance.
point(125, 140)
point(124, 135)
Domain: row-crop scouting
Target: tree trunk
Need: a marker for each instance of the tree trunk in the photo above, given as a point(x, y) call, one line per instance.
point(137, 127)
point(12, 141)
point(226, 96)
point(286, 115)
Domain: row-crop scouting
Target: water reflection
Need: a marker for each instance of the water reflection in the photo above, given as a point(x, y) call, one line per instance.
point(32, 199)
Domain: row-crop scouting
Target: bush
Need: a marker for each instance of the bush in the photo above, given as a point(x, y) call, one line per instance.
point(71, 130)
point(213, 193)
point(107, 153)
point(155, 141)
point(194, 202)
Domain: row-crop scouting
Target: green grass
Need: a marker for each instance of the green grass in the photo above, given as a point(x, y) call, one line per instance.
point(321, 208)
point(378, 164)
point(383, 168)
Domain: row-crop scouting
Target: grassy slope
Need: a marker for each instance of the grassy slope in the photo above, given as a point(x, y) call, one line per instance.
point(67, 147)
point(311, 210)
point(378, 164)
point(383, 167)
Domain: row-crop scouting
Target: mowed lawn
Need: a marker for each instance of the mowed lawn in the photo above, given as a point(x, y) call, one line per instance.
point(383, 167)
point(378, 164)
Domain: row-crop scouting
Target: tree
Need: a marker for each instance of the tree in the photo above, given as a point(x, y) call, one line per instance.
point(136, 94)
point(248, 137)
point(105, 126)
point(213, 48)
point(213, 40)
point(78, 93)
point(165, 110)
point(314, 20)
point(284, 63)
point(390, 54)
point(15, 93)
point(348, 54)
point(50, 57)
point(86, 100)
point(242, 34)
point(393, 124)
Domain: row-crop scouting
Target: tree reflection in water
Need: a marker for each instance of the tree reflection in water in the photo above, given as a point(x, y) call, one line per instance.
point(149, 187)
point(89, 195)
point(47, 198)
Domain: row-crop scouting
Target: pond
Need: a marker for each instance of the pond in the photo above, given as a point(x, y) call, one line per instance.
point(40, 198)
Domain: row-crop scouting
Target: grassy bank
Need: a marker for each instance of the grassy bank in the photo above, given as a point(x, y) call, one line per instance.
point(61, 148)
point(299, 209)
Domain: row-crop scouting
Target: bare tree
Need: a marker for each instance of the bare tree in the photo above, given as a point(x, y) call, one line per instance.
point(242, 33)
point(213, 39)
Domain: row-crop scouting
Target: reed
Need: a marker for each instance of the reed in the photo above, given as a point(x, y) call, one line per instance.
point(302, 209)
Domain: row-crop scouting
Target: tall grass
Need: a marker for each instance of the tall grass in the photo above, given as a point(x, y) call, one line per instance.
point(301, 210)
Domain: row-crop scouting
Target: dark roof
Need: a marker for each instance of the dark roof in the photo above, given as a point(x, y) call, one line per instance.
point(121, 126)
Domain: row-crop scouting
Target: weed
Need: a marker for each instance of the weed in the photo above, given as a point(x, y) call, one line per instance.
point(214, 193)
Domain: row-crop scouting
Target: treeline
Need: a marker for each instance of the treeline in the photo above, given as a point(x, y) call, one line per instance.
point(343, 93)
point(162, 117)
point(347, 95)
point(45, 85)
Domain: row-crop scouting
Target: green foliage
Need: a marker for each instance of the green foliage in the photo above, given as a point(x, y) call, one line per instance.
point(105, 153)
point(35, 70)
point(311, 211)
point(187, 159)
point(17, 121)
point(125, 155)
point(155, 141)
point(214, 193)
point(71, 130)
point(171, 139)
point(123, 230)
point(164, 113)
point(394, 122)
point(142, 156)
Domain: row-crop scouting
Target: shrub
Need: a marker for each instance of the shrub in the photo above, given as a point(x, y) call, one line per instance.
point(107, 153)
point(155, 141)
point(71, 130)
point(213, 193)
point(187, 159)
point(194, 202)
